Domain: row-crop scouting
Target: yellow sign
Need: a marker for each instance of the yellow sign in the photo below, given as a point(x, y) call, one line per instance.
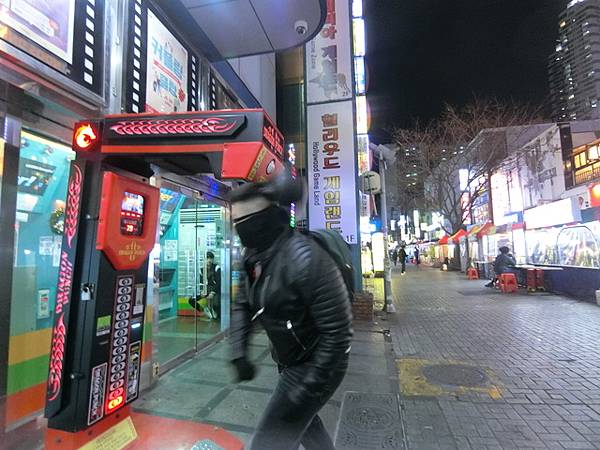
point(132, 250)
point(115, 438)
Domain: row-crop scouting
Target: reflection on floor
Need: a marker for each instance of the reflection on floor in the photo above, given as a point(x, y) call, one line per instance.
point(203, 388)
point(177, 335)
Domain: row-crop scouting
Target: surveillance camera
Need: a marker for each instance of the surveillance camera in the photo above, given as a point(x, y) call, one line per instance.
point(301, 27)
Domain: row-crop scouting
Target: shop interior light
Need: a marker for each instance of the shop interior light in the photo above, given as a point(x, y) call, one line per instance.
point(85, 136)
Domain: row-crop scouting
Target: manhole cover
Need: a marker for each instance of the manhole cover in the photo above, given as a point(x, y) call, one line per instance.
point(455, 375)
point(369, 419)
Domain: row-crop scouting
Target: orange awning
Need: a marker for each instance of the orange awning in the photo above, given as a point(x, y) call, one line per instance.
point(456, 236)
point(444, 240)
point(474, 230)
point(488, 228)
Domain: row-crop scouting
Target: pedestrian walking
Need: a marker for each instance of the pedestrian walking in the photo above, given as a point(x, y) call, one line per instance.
point(417, 257)
point(402, 256)
point(296, 291)
point(395, 257)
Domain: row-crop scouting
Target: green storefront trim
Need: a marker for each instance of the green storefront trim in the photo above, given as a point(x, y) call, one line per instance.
point(27, 374)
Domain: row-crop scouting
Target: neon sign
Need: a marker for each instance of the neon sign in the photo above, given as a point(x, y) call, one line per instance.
point(64, 291)
point(273, 138)
point(140, 128)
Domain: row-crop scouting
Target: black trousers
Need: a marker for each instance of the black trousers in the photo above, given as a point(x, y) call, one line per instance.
point(286, 424)
point(403, 265)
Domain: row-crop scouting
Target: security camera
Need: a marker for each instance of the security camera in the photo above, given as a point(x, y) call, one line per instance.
point(301, 27)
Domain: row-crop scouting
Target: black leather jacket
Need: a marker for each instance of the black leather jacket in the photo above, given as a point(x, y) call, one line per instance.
point(300, 298)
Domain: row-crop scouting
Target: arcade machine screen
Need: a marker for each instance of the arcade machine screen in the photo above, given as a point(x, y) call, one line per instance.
point(132, 214)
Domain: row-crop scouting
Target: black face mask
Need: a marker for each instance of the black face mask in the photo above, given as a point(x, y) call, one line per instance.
point(261, 229)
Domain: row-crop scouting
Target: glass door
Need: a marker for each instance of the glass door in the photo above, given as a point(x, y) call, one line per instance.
point(178, 273)
point(195, 271)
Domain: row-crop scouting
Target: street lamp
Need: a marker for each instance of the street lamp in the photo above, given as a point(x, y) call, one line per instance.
point(386, 154)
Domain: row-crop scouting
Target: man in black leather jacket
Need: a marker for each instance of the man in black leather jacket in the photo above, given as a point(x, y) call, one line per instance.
point(293, 287)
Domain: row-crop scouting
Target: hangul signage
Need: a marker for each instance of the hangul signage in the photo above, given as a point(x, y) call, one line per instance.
point(331, 169)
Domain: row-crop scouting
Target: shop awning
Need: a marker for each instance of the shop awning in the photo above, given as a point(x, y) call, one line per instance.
point(474, 230)
point(486, 229)
point(230, 144)
point(444, 240)
point(247, 27)
point(456, 236)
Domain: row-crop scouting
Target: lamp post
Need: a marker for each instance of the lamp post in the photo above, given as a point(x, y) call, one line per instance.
point(386, 154)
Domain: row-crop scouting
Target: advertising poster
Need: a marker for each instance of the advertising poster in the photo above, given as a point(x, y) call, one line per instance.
point(43, 304)
point(331, 171)
point(329, 57)
point(47, 23)
point(166, 70)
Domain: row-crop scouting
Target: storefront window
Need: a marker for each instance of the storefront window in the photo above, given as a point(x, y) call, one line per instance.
point(41, 192)
point(576, 246)
point(195, 272)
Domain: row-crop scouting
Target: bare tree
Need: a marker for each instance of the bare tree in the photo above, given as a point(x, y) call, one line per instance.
point(448, 162)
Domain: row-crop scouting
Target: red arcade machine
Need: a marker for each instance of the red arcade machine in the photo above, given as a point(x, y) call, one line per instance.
point(110, 228)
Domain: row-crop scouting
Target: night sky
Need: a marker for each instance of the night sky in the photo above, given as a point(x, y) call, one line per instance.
point(423, 53)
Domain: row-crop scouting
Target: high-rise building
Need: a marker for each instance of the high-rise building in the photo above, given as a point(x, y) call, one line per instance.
point(574, 67)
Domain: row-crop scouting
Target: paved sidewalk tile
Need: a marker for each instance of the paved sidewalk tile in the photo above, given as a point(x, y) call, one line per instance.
point(542, 353)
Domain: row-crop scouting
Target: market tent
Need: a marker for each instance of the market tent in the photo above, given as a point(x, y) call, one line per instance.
point(456, 236)
point(488, 228)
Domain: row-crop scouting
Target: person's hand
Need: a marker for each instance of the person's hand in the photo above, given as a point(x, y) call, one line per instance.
point(244, 368)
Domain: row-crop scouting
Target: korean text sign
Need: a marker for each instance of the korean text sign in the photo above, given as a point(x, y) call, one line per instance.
point(166, 70)
point(331, 169)
point(329, 57)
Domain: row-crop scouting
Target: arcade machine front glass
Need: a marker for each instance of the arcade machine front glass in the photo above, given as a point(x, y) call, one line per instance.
point(189, 316)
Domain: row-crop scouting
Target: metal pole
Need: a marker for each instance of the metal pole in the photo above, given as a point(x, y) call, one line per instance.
point(387, 269)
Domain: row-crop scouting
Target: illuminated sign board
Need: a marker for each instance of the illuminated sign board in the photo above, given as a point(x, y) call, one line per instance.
point(360, 75)
point(64, 289)
point(157, 127)
point(378, 251)
point(362, 115)
point(358, 29)
point(272, 138)
point(556, 213)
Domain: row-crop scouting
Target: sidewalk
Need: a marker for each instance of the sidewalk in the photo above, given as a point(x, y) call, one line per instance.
point(482, 370)
point(203, 390)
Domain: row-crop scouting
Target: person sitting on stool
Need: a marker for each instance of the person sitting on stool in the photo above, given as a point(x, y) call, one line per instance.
point(503, 264)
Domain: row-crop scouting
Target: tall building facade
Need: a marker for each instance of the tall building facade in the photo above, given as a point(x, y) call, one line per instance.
point(574, 67)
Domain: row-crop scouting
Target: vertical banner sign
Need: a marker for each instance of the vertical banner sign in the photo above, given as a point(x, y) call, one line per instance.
point(331, 178)
point(331, 167)
point(166, 70)
point(329, 57)
point(64, 289)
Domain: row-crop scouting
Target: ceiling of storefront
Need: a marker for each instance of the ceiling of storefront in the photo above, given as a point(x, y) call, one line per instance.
point(249, 27)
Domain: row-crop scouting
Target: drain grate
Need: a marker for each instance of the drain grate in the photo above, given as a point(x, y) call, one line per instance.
point(369, 421)
point(455, 375)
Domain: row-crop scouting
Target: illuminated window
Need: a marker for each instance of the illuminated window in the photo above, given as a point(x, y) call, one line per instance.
point(593, 153)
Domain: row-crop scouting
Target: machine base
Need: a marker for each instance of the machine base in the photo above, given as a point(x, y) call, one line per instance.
point(128, 430)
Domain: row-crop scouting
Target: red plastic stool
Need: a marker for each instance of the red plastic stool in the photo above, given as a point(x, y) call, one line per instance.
point(508, 282)
point(472, 273)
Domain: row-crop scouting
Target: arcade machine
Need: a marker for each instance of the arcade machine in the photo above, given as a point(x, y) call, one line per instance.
point(111, 220)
